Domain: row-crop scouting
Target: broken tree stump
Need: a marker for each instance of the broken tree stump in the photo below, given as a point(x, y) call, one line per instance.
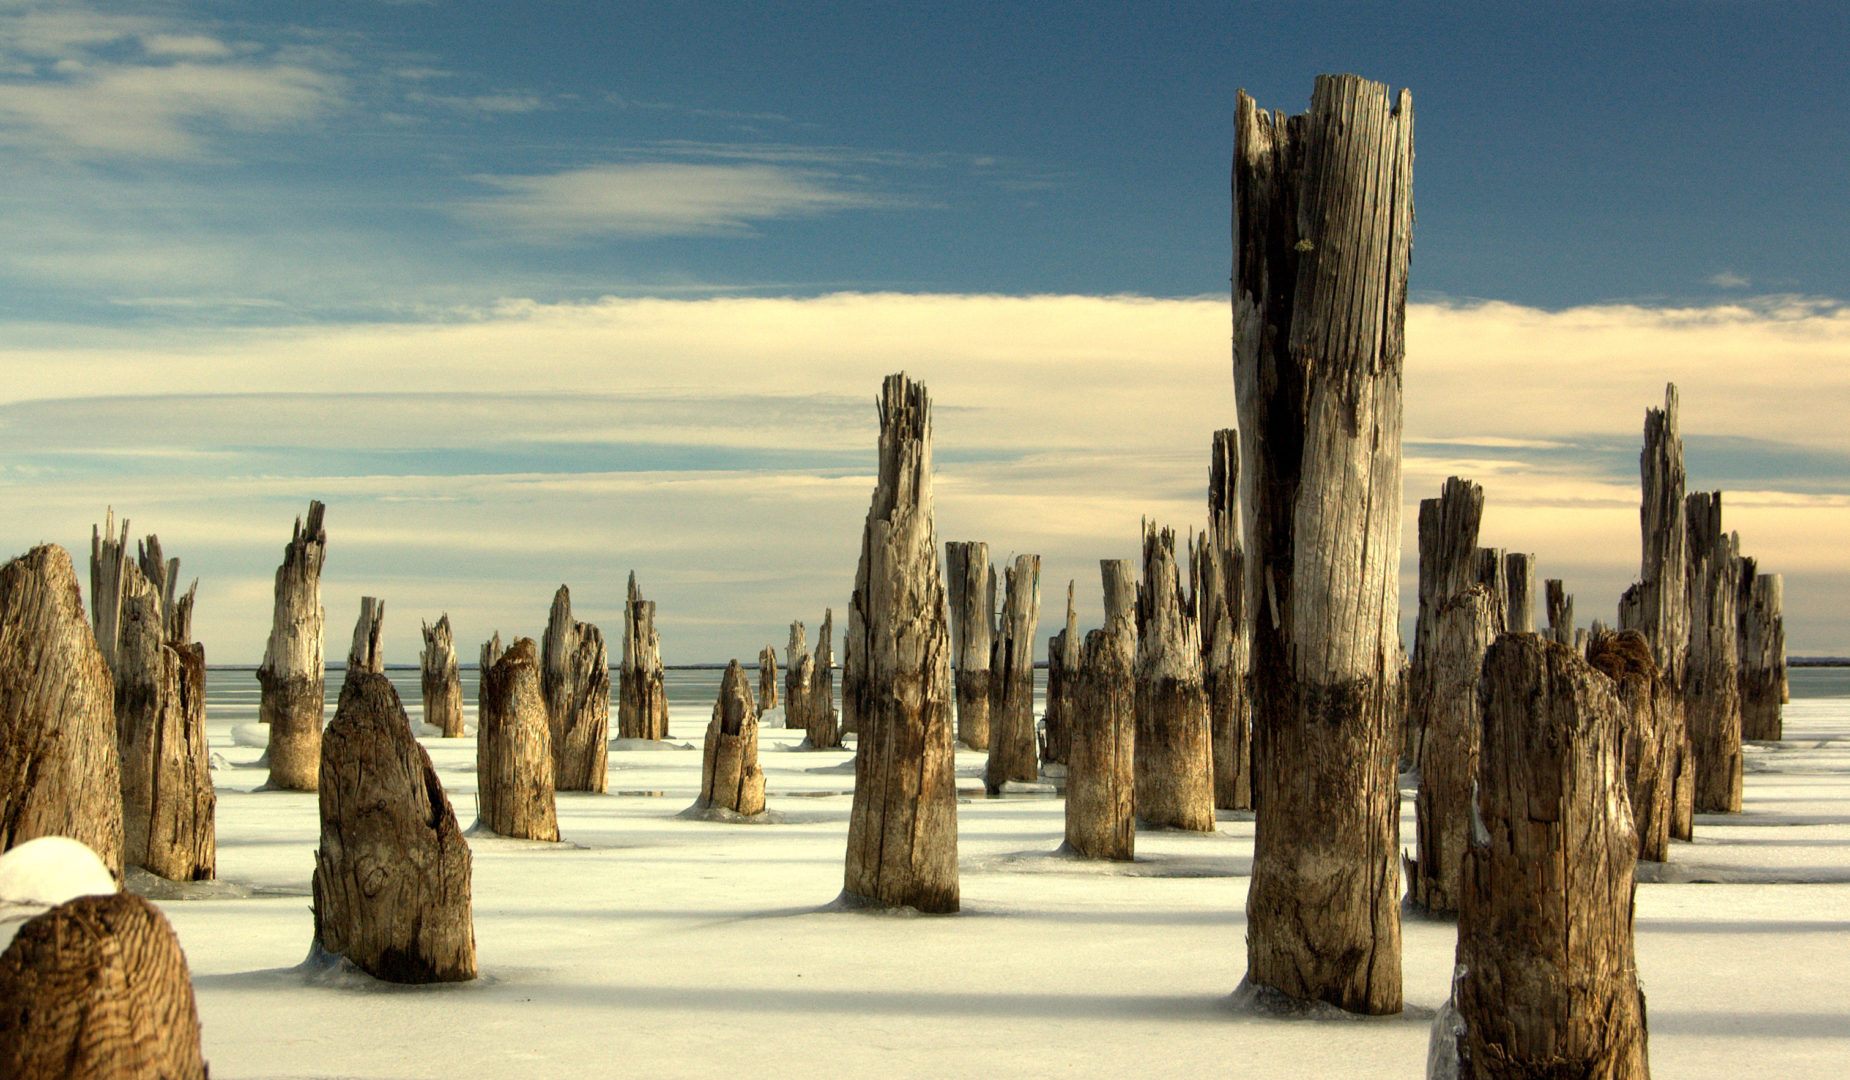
point(642, 703)
point(799, 670)
point(1324, 215)
point(1547, 985)
point(1062, 665)
point(730, 778)
point(367, 653)
point(970, 587)
point(767, 679)
point(902, 831)
point(1218, 581)
point(1014, 753)
point(1650, 720)
point(824, 721)
point(293, 673)
point(513, 745)
point(1462, 631)
point(575, 680)
point(1519, 593)
point(1174, 768)
point(391, 882)
point(168, 803)
point(97, 987)
point(1711, 690)
point(1101, 781)
point(1760, 640)
point(60, 772)
point(441, 679)
point(1560, 604)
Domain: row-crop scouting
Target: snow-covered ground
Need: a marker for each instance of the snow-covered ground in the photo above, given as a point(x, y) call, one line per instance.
point(651, 945)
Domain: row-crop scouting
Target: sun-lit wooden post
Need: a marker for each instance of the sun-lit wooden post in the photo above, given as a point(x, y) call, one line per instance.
point(293, 673)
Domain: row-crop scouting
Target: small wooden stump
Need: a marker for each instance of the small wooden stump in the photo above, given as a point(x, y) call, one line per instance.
point(1062, 667)
point(293, 672)
point(824, 720)
point(902, 831)
point(513, 751)
point(1448, 529)
point(1652, 720)
point(730, 778)
point(971, 590)
point(575, 680)
point(1174, 765)
point(1711, 689)
point(366, 656)
point(60, 773)
point(1100, 775)
point(1218, 580)
point(767, 679)
point(1547, 985)
point(441, 679)
point(1761, 641)
point(1519, 593)
point(642, 703)
point(1560, 605)
point(1014, 753)
point(799, 671)
point(391, 879)
point(1447, 755)
point(98, 987)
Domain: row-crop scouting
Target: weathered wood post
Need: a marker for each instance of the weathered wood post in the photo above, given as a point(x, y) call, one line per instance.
point(767, 679)
point(1519, 592)
point(1462, 631)
point(108, 563)
point(1547, 985)
point(1490, 565)
point(391, 879)
point(293, 672)
point(1448, 528)
point(1100, 775)
point(642, 703)
point(853, 685)
point(367, 653)
point(60, 772)
point(1324, 206)
point(971, 589)
point(902, 831)
point(730, 778)
point(441, 679)
point(1062, 666)
point(1174, 766)
point(799, 670)
point(1712, 691)
point(1013, 751)
point(168, 804)
point(1649, 718)
point(824, 721)
point(1218, 580)
point(1761, 641)
point(575, 679)
point(1560, 604)
point(513, 752)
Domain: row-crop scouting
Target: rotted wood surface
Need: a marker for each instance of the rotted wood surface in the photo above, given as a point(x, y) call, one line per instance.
point(60, 772)
point(293, 672)
point(440, 676)
point(1101, 782)
point(1218, 581)
point(109, 561)
point(1519, 592)
point(1174, 766)
point(824, 719)
point(1462, 631)
point(367, 653)
point(1548, 985)
point(392, 875)
point(1711, 686)
point(1014, 752)
point(1449, 565)
point(1560, 605)
point(902, 830)
point(730, 778)
point(970, 588)
point(1651, 718)
point(1761, 641)
point(1663, 604)
point(1323, 219)
point(513, 762)
point(799, 670)
point(767, 679)
point(98, 988)
point(1062, 665)
point(642, 703)
point(575, 680)
point(168, 803)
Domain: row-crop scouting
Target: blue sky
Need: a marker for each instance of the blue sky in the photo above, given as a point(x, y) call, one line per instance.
point(574, 279)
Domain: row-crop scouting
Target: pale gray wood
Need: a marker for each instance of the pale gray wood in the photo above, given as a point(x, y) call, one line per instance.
point(824, 722)
point(575, 679)
point(970, 590)
point(1324, 215)
point(799, 672)
point(1449, 565)
point(513, 745)
point(902, 830)
point(730, 778)
point(767, 679)
point(367, 653)
point(642, 705)
point(1062, 664)
point(1560, 604)
point(1100, 771)
point(1519, 592)
point(1013, 750)
point(1761, 643)
point(440, 678)
point(1218, 582)
point(1462, 632)
point(1711, 686)
point(1662, 607)
point(1174, 765)
point(293, 673)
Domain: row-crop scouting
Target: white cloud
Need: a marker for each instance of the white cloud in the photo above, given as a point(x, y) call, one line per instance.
point(1728, 279)
point(191, 46)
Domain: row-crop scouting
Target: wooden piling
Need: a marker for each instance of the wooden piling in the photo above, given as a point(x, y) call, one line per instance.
point(293, 673)
point(1013, 750)
point(1100, 774)
point(642, 703)
point(1711, 689)
point(971, 591)
point(1218, 582)
point(1062, 665)
point(1462, 631)
point(799, 671)
point(824, 720)
point(513, 745)
point(575, 680)
point(1650, 720)
point(730, 778)
point(1760, 631)
point(1174, 766)
point(767, 679)
point(441, 679)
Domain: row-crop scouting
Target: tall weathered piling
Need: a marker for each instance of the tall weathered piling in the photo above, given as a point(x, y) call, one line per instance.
point(1650, 719)
point(1013, 752)
point(1100, 776)
point(1324, 214)
point(799, 670)
point(730, 779)
point(1218, 582)
point(1446, 757)
point(767, 679)
point(824, 720)
point(971, 590)
point(293, 672)
point(902, 831)
point(1547, 985)
point(513, 745)
point(1760, 633)
point(1449, 565)
point(1174, 766)
point(441, 679)
point(575, 679)
point(1711, 689)
point(1062, 665)
point(642, 703)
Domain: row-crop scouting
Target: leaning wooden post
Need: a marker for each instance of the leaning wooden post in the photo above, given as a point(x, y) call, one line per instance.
point(767, 679)
point(1651, 712)
point(367, 653)
point(513, 751)
point(108, 562)
point(1560, 604)
point(902, 831)
point(1324, 220)
point(575, 679)
point(1447, 761)
point(1100, 775)
point(1519, 592)
point(391, 881)
point(1062, 664)
point(1013, 751)
point(1174, 765)
point(1711, 690)
point(60, 773)
point(1218, 577)
point(293, 673)
point(730, 779)
point(970, 586)
point(441, 679)
point(1761, 643)
point(824, 720)
point(799, 670)
point(642, 704)
point(1546, 982)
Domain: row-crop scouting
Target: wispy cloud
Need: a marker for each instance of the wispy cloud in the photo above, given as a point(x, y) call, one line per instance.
point(1728, 279)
